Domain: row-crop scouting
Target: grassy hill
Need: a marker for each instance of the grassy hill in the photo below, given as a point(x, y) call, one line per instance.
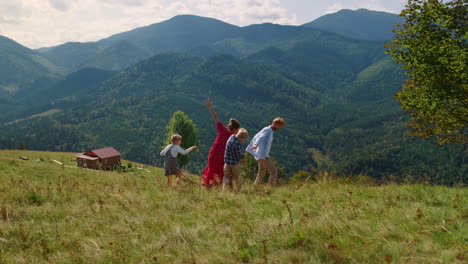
point(62, 214)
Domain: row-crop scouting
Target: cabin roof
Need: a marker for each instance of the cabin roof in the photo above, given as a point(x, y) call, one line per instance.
point(82, 156)
point(102, 153)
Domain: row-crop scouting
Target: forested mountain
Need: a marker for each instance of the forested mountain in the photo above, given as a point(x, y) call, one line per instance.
point(361, 24)
point(335, 92)
point(51, 92)
point(20, 65)
point(137, 103)
point(115, 56)
point(19, 68)
point(178, 34)
point(185, 33)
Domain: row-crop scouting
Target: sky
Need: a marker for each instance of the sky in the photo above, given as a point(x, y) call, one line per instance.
point(45, 23)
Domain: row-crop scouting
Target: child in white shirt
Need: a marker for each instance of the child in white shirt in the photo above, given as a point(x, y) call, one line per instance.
point(170, 162)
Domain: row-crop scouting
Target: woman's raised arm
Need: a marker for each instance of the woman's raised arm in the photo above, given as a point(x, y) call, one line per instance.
point(209, 103)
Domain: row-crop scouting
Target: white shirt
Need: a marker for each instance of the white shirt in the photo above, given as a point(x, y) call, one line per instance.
point(175, 150)
point(263, 141)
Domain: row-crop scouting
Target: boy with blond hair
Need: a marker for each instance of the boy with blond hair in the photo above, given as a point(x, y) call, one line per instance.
point(260, 147)
point(170, 163)
point(232, 157)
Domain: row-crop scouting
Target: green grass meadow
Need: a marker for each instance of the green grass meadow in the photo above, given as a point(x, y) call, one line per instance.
point(51, 213)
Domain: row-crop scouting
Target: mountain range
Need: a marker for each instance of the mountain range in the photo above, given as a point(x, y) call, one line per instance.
point(330, 79)
point(361, 23)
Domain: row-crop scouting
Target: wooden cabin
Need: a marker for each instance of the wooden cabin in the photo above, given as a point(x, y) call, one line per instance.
point(105, 158)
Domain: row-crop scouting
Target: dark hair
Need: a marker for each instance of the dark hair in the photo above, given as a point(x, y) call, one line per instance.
point(233, 124)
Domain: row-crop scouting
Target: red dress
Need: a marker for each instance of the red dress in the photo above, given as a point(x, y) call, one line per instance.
point(216, 157)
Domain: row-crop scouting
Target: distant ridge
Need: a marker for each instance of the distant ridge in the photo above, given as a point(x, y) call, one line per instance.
point(359, 24)
point(162, 36)
point(19, 64)
point(178, 34)
point(7, 44)
point(206, 36)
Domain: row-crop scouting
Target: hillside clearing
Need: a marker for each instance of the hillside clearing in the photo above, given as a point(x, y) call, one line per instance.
point(46, 113)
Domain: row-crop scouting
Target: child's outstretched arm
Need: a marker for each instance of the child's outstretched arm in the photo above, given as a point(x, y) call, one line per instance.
point(184, 151)
point(209, 103)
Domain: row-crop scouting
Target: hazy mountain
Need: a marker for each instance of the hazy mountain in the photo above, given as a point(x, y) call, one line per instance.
point(79, 83)
point(20, 65)
point(324, 62)
point(179, 34)
point(360, 24)
point(253, 38)
point(206, 37)
point(19, 68)
point(74, 55)
point(52, 92)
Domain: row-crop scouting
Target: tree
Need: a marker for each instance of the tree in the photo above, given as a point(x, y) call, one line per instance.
point(432, 46)
point(181, 124)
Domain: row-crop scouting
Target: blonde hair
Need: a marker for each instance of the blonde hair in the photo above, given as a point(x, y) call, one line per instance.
point(279, 121)
point(175, 137)
point(243, 133)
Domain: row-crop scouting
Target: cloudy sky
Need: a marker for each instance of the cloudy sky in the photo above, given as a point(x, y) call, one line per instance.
point(42, 23)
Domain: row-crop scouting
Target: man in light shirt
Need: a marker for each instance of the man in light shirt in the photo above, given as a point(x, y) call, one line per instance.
point(260, 147)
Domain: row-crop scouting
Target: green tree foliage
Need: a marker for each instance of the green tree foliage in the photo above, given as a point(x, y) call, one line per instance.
point(432, 46)
point(304, 176)
point(181, 124)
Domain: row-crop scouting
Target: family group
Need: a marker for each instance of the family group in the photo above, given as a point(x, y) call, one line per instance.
point(226, 154)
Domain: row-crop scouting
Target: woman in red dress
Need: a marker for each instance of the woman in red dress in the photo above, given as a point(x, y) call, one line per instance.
point(213, 174)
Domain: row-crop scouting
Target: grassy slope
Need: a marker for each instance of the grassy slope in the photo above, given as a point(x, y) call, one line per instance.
point(50, 213)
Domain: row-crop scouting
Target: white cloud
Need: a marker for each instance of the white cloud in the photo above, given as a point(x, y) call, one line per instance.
point(7, 20)
point(392, 6)
point(246, 12)
point(61, 5)
point(13, 11)
point(125, 2)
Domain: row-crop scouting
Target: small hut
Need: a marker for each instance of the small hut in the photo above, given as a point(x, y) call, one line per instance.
point(105, 158)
